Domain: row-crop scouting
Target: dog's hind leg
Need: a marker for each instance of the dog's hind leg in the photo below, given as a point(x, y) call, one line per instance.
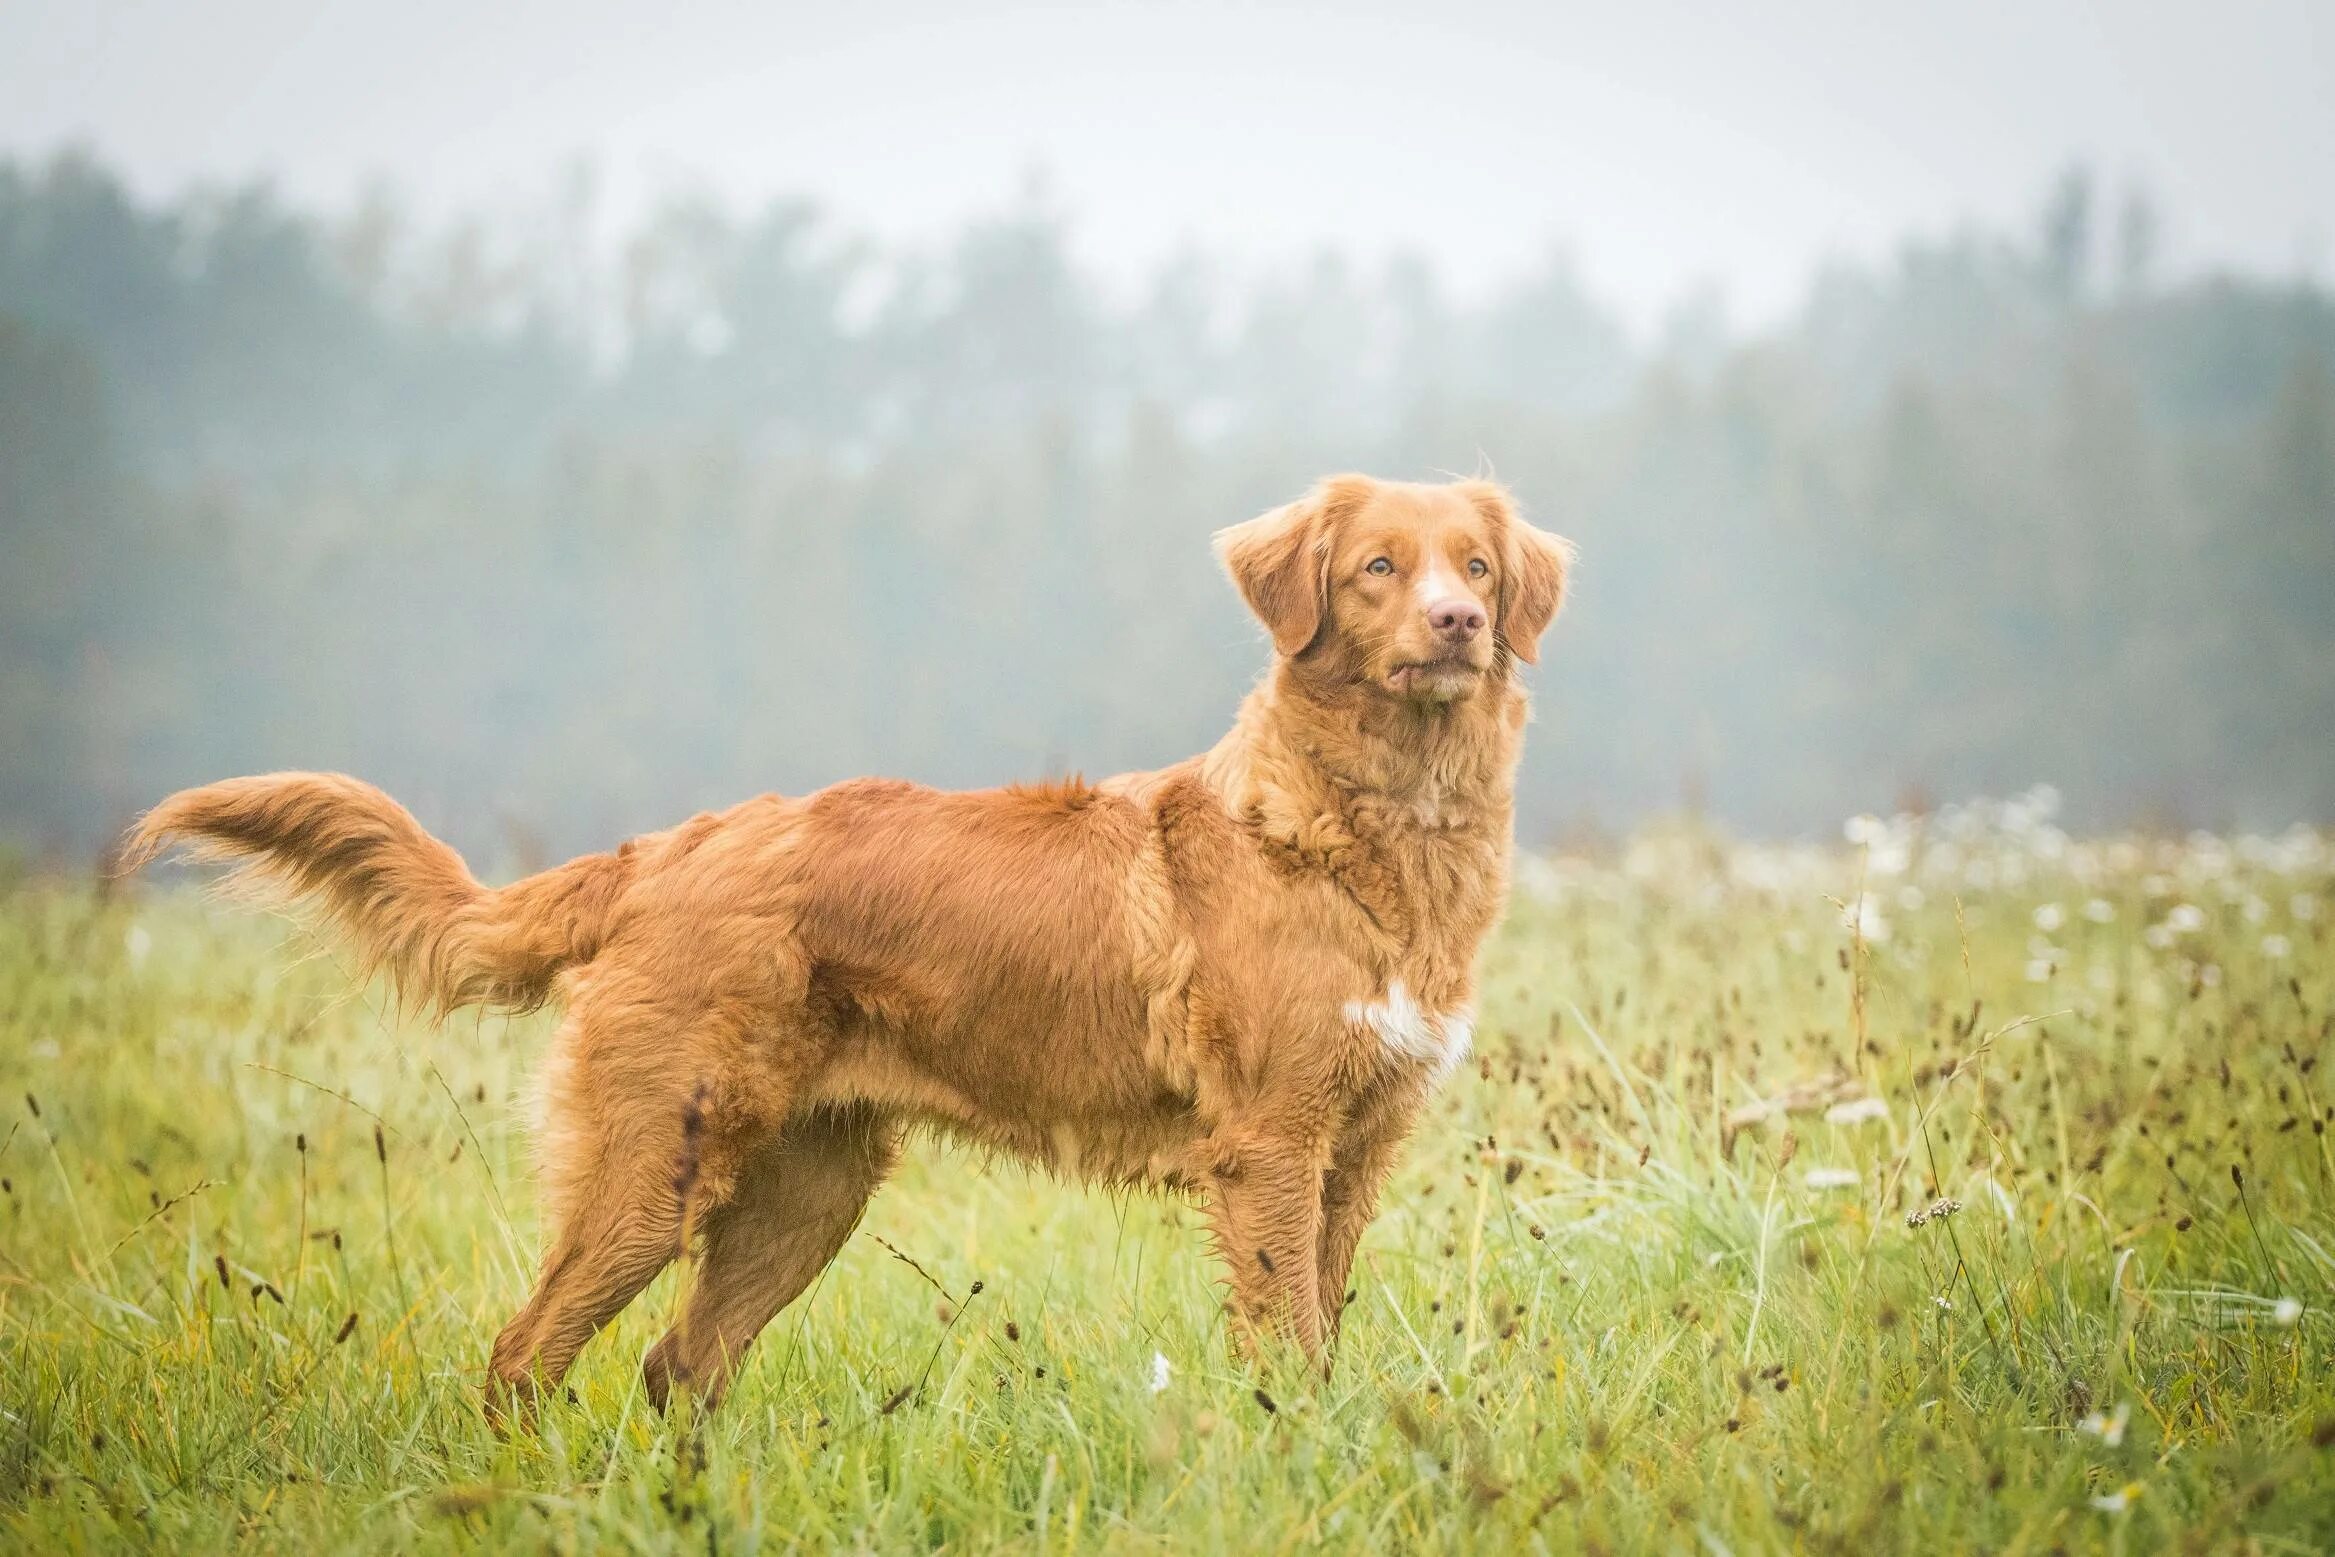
point(634, 1152)
point(797, 1200)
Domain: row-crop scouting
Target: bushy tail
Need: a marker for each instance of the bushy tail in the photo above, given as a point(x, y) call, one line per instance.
point(408, 902)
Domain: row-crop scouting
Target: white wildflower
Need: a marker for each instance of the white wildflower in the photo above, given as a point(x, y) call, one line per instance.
point(2159, 937)
point(1863, 916)
point(2118, 1501)
point(2285, 1311)
point(2100, 911)
point(1831, 1178)
point(2049, 917)
point(1159, 1372)
point(2040, 969)
point(2108, 1429)
point(2276, 947)
point(1945, 1303)
point(2185, 919)
point(138, 943)
point(1856, 1110)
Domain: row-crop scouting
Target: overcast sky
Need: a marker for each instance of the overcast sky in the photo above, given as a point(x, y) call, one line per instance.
point(1663, 144)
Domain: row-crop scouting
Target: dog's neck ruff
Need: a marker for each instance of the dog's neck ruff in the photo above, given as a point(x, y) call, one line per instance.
point(1298, 759)
point(1410, 816)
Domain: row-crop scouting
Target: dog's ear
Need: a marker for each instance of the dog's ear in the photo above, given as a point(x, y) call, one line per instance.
point(1281, 563)
point(1532, 574)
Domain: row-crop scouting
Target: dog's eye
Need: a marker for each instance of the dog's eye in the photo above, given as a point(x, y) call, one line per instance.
point(1380, 566)
point(1477, 567)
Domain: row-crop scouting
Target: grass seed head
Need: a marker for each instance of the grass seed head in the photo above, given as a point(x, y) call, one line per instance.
point(1936, 1211)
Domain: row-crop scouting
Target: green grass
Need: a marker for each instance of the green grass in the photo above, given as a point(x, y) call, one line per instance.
point(1583, 1321)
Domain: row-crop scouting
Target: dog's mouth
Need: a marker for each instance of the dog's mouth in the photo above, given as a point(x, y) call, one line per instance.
point(1442, 678)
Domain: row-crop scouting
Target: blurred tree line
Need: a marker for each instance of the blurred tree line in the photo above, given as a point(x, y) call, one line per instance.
point(559, 542)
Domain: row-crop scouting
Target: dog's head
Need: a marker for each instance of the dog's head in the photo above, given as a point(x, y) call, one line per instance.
point(1412, 591)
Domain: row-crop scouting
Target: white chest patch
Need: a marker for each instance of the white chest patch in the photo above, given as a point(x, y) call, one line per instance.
point(1405, 1028)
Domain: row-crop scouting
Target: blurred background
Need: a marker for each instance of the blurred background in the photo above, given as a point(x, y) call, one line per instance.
point(572, 416)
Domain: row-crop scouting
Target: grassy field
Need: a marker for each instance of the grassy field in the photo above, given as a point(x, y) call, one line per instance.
point(1647, 1282)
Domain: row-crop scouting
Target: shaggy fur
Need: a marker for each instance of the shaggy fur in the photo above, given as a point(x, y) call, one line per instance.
point(1239, 976)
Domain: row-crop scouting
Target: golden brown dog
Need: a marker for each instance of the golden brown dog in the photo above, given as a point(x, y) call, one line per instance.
point(1240, 975)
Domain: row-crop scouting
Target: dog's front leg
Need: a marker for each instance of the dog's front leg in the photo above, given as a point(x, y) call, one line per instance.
point(1265, 1209)
point(1366, 1153)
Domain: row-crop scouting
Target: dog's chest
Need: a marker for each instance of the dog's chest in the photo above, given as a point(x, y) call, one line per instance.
point(1442, 881)
point(1443, 865)
point(1412, 1034)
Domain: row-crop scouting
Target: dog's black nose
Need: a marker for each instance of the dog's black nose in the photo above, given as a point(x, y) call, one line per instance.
point(1457, 620)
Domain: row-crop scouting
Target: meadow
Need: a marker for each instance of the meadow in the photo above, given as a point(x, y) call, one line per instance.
point(1959, 1185)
